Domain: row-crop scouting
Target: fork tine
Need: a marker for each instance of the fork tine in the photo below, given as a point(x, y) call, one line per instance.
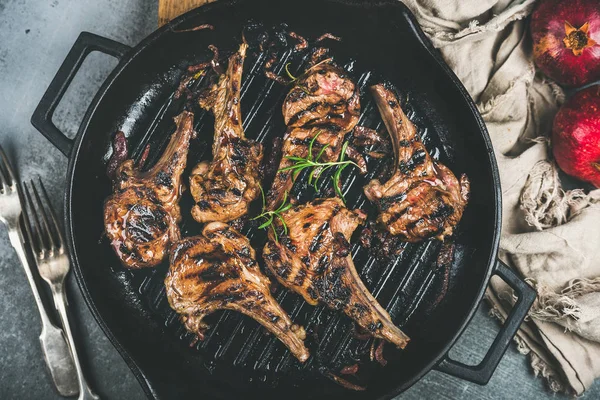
point(3, 179)
point(41, 210)
point(59, 236)
point(32, 223)
point(11, 175)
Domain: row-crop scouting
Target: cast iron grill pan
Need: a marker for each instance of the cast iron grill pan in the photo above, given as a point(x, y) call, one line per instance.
point(381, 42)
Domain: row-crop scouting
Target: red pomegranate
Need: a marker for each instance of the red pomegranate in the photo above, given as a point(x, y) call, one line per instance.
point(566, 40)
point(576, 136)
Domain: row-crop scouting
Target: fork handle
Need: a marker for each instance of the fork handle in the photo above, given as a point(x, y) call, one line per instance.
point(60, 302)
point(54, 345)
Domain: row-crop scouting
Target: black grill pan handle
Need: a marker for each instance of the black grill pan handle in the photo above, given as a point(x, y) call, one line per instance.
point(482, 372)
point(42, 116)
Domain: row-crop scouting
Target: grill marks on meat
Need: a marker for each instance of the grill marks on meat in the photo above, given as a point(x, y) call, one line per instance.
point(423, 198)
point(218, 270)
point(314, 260)
point(142, 214)
point(323, 102)
point(223, 188)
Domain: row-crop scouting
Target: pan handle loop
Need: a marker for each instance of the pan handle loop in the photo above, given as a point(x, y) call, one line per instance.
point(42, 116)
point(482, 372)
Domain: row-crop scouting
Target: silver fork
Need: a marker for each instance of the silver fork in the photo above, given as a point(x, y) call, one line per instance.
point(53, 264)
point(54, 345)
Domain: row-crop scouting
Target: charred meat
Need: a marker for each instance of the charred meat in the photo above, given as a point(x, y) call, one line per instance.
point(142, 214)
point(218, 270)
point(313, 259)
point(381, 244)
point(223, 188)
point(423, 198)
point(324, 103)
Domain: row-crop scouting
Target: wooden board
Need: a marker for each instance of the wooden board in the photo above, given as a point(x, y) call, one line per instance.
point(169, 9)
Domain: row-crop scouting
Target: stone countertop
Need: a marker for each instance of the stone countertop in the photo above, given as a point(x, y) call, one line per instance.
point(34, 39)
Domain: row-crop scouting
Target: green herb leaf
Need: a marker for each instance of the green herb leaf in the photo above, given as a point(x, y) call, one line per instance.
point(269, 216)
point(310, 146)
point(289, 74)
point(317, 167)
point(294, 158)
point(321, 152)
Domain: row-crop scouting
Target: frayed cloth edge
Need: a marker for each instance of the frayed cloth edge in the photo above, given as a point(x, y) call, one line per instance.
point(496, 24)
point(562, 307)
point(539, 366)
point(544, 202)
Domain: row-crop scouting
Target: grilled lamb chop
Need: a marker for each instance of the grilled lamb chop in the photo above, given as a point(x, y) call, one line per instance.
point(324, 102)
point(218, 270)
point(224, 187)
point(423, 198)
point(313, 259)
point(142, 214)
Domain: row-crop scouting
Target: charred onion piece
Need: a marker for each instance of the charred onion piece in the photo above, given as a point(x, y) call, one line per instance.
point(376, 353)
point(120, 152)
point(196, 71)
point(379, 354)
point(349, 370)
point(302, 43)
point(358, 158)
point(344, 382)
point(183, 86)
point(269, 70)
point(376, 154)
point(194, 341)
point(328, 36)
point(214, 63)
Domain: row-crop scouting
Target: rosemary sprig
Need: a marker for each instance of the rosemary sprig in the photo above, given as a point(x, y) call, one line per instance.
point(289, 74)
point(318, 167)
point(294, 79)
point(269, 216)
point(338, 173)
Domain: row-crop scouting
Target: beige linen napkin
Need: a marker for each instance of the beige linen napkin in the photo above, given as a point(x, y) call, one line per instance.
point(550, 236)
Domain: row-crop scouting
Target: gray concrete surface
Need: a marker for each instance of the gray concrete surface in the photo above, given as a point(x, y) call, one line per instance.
point(35, 36)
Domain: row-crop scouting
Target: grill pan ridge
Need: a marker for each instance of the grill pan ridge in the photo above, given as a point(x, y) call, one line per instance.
point(237, 357)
